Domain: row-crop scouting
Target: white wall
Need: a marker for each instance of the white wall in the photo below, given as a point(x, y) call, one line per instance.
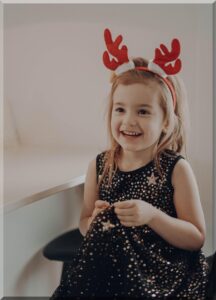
point(56, 85)
point(27, 230)
point(55, 81)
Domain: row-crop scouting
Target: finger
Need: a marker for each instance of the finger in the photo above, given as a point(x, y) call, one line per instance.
point(101, 203)
point(126, 218)
point(124, 211)
point(96, 211)
point(124, 204)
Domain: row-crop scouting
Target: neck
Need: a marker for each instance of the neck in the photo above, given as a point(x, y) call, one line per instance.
point(132, 159)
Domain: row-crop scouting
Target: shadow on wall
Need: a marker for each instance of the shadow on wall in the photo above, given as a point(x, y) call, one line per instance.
point(37, 266)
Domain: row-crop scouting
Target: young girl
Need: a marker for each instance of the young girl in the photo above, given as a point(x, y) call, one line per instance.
point(142, 218)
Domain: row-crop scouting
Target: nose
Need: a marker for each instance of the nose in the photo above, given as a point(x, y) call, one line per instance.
point(129, 120)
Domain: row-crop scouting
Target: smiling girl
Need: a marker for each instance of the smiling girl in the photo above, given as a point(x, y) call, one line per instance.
point(142, 218)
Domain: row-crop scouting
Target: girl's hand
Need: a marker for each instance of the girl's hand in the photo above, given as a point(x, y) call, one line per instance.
point(99, 206)
point(134, 212)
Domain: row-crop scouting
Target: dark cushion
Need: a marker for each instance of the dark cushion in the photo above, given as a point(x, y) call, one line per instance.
point(64, 247)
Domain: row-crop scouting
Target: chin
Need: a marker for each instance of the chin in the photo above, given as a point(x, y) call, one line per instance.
point(131, 148)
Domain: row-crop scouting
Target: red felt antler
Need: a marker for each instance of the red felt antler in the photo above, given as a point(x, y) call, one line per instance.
point(113, 48)
point(162, 59)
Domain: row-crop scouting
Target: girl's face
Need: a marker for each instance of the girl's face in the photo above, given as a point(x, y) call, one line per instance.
point(137, 118)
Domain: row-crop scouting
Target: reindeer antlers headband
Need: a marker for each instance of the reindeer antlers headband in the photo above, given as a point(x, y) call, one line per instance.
point(157, 65)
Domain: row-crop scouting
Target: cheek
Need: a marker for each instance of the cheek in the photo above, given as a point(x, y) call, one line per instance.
point(148, 127)
point(151, 129)
point(115, 124)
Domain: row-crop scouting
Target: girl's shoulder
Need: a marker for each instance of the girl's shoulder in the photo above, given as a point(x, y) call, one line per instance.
point(182, 170)
point(169, 160)
point(178, 168)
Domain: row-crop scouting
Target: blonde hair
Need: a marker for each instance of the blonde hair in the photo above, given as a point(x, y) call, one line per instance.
point(177, 121)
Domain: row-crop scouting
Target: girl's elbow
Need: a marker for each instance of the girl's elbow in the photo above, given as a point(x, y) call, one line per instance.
point(202, 237)
point(199, 243)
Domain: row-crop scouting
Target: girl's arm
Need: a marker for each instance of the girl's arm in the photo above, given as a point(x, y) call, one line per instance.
point(90, 196)
point(188, 230)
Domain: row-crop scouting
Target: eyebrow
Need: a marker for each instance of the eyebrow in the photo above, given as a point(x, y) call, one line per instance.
point(139, 105)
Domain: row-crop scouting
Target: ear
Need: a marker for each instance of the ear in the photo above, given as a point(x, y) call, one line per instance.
point(164, 131)
point(165, 127)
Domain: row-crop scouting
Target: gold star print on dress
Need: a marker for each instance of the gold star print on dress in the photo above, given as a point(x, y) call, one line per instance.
point(152, 179)
point(107, 225)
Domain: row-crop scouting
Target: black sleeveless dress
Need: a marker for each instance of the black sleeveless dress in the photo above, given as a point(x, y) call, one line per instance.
point(116, 261)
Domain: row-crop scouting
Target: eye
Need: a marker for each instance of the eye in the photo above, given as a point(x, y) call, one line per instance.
point(119, 109)
point(143, 112)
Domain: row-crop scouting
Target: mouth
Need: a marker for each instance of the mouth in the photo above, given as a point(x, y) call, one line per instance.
point(131, 134)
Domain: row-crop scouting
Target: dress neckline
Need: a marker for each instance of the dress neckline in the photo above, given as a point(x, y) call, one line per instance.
point(137, 169)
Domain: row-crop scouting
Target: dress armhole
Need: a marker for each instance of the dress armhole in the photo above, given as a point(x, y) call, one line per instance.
point(99, 164)
point(172, 168)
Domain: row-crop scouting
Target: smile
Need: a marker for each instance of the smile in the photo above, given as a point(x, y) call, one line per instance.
point(131, 133)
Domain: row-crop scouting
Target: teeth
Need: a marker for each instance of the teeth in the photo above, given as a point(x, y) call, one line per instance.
point(131, 132)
